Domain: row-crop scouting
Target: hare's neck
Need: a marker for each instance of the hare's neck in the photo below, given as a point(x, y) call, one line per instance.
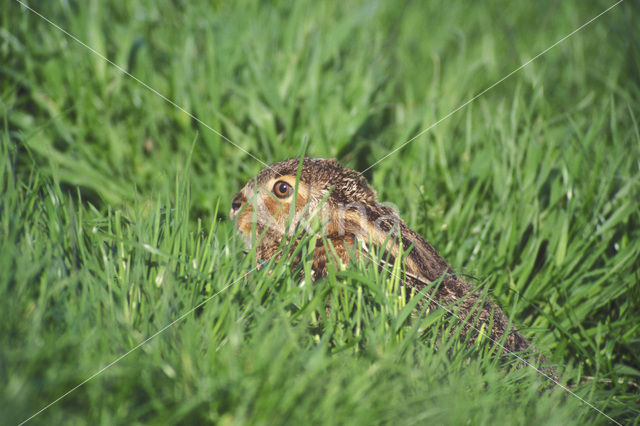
point(423, 261)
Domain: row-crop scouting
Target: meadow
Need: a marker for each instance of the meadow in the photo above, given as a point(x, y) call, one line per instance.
point(127, 296)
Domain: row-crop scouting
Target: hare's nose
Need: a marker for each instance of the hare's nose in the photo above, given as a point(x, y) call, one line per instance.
point(236, 203)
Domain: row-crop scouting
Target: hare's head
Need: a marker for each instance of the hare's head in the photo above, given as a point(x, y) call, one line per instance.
point(270, 204)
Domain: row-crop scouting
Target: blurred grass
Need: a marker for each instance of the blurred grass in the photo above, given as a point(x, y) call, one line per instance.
point(113, 206)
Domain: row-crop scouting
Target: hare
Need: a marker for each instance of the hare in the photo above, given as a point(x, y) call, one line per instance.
point(352, 220)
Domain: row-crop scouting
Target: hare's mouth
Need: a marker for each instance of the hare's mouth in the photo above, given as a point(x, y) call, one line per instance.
point(246, 237)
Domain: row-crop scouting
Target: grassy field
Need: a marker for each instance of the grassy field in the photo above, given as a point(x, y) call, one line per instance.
point(113, 209)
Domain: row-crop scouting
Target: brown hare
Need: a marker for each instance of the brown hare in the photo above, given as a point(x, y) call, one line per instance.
point(352, 220)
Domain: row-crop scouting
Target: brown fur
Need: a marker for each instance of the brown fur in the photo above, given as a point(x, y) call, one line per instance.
point(354, 218)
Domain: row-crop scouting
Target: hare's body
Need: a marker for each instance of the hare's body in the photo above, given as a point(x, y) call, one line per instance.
point(351, 219)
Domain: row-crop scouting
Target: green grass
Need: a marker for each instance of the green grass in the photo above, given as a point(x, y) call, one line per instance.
point(113, 209)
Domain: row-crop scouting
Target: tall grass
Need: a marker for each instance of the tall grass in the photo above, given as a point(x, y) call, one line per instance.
point(113, 209)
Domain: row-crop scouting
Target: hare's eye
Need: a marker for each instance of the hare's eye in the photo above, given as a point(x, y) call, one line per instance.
point(282, 189)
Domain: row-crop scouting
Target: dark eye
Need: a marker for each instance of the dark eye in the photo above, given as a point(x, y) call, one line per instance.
point(282, 189)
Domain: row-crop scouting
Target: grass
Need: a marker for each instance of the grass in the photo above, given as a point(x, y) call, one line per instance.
point(113, 223)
